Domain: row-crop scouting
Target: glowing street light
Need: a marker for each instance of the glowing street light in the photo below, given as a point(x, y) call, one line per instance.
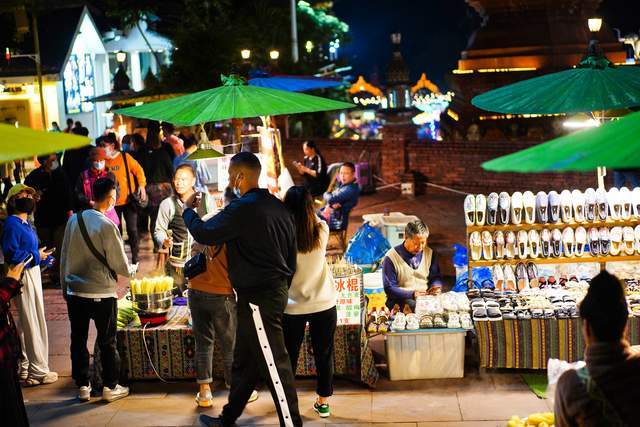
point(308, 46)
point(274, 54)
point(121, 56)
point(594, 24)
point(245, 53)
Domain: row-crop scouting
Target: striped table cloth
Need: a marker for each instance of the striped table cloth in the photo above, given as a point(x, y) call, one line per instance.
point(528, 344)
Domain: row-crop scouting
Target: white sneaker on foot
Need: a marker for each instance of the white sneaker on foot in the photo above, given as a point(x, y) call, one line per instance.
point(204, 400)
point(85, 393)
point(113, 394)
point(48, 378)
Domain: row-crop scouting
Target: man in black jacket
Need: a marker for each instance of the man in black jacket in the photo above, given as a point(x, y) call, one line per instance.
point(260, 236)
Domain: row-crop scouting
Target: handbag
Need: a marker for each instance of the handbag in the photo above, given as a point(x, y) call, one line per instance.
point(94, 251)
point(133, 198)
point(197, 264)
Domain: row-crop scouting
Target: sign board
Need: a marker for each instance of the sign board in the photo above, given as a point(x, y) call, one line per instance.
point(348, 306)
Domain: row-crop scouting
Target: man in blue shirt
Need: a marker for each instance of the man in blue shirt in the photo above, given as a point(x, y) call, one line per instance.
point(342, 199)
point(411, 268)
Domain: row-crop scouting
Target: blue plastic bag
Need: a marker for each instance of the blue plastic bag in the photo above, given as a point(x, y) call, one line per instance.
point(460, 261)
point(367, 246)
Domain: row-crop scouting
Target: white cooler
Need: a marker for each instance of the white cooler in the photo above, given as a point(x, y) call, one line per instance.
point(425, 354)
point(392, 225)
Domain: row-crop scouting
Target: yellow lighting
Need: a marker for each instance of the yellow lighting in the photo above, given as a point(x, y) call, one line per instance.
point(121, 56)
point(462, 71)
point(308, 46)
point(274, 54)
point(594, 24)
point(505, 70)
point(516, 116)
point(245, 53)
point(453, 115)
point(580, 121)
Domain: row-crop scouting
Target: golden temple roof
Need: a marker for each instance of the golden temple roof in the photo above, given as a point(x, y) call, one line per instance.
point(361, 85)
point(425, 83)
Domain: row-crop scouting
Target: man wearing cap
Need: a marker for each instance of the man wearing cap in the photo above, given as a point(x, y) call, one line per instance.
point(84, 184)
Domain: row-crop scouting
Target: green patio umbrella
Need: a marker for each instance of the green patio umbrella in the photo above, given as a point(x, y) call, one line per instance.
point(232, 100)
point(595, 84)
point(21, 143)
point(615, 145)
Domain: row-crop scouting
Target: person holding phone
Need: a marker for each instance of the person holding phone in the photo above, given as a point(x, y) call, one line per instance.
point(20, 244)
point(11, 404)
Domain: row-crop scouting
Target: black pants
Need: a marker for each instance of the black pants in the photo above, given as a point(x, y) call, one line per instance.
point(322, 327)
point(260, 352)
point(130, 214)
point(12, 410)
point(104, 313)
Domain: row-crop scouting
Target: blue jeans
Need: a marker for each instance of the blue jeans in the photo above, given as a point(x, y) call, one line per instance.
point(622, 176)
point(212, 315)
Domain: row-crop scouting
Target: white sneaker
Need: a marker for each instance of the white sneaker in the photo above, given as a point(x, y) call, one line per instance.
point(113, 394)
point(204, 400)
point(85, 393)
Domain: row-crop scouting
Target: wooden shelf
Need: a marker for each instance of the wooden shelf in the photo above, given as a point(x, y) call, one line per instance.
point(561, 260)
point(516, 227)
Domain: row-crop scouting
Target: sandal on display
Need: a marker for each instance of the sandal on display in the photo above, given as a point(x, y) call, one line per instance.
point(581, 241)
point(504, 210)
point(605, 241)
point(470, 209)
point(465, 321)
point(602, 203)
point(399, 323)
point(628, 239)
point(636, 233)
point(516, 207)
point(532, 275)
point(534, 243)
point(426, 322)
point(438, 322)
point(554, 207)
point(568, 241)
point(615, 206)
point(412, 322)
point(545, 244)
point(616, 241)
point(579, 202)
point(493, 312)
point(498, 238)
point(635, 199)
point(476, 246)
point(509, 279)
point(523, 244)
point(492, 209)
point(556, 242)
point(626, 203)
point(487, 245)
point(522, 279)
point(542, 207)
point(529, 204)
point(510, 247)
point(590, 204)
point(454, 321)
point(498, 276)
point(566, 206)
point(594, 242)
point(481, 209)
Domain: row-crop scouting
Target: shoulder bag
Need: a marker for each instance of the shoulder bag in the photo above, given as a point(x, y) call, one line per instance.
point(94, 251)
point(133, 197)
point(197, 265)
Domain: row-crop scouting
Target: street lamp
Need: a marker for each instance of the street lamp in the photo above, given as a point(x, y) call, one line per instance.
point(594, 24)
point(274, 54)
point(245, 53)
point(121, 56)
point(308, 46)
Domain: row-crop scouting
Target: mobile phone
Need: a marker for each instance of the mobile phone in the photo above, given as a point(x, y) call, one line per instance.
point(27, 260)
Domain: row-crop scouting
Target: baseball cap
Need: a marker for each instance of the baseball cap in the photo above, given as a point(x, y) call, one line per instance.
point(19, 188)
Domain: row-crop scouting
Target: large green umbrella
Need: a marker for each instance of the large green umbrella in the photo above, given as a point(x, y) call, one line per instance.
point(615, 145)
point(593, 85)
point(21, 143)
point(232, 100)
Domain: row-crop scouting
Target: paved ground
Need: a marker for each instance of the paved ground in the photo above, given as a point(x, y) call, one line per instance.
point(486, 399)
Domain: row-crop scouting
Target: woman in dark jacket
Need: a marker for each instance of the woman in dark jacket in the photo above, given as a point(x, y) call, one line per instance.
point(12, 410)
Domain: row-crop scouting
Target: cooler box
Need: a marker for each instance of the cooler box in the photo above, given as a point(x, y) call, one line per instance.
point(392, 225)
point(425, 354)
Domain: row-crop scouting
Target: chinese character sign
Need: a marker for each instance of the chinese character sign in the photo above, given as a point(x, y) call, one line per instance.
point(348, 299)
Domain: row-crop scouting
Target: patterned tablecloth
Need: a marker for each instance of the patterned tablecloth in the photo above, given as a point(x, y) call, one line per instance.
point(171, 347)
point(528, 344)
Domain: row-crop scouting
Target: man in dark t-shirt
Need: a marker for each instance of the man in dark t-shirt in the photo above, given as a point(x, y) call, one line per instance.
point(313, 169)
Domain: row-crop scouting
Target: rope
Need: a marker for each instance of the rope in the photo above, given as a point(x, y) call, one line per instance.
point(144, 341)
point(398, 184)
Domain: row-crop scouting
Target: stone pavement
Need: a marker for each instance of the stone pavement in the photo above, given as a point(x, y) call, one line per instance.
point(479, 399)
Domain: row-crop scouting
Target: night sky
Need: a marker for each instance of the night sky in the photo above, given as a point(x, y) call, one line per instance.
point(433, 32)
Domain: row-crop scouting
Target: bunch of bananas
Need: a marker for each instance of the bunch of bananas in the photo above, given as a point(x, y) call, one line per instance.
point(151, 285)
point(539, 419)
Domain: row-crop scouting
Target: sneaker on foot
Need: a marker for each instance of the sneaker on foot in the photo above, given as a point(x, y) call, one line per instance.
point(254, 396)
point(85, 393)
point(204, 400)
point(322, 409)
point(209, 421)
point(113, 394)
point(48, 378)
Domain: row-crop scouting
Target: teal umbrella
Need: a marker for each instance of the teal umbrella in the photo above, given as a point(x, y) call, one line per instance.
point(595, 84)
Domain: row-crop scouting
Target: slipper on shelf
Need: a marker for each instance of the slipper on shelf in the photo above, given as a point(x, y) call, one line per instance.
point(509, 279)
point(626, 204)
point(615, 205)
point(475, 244)
point(400, 322)
point(545, 243)
point(602, 204)
point(481, 209)
point(554, 207)
point(568, 241)
point(628, 240)
point(590, 204)
point(470, 209)
point(542, 207)
point(498, 238)
point(605, 241)
point(534, 243)
point(494, 314)
point(523, 244)
point(556, 242)
point(566, 206)
point(522, 279)
point(412, 322)
point(498, 276)
point(516, 207)
point(616, 241)
point(636, 233)
point(532, 275)
point(487, 245)
point(426, 322)
point(492, 209)
point(529, 205)
point(504, 208)
point(453, 322)
point(635, 199)
point(510, 247)
point(438, 321)
point(594, 242)
point(581, 241)
point(465, 321)
point(578, 200)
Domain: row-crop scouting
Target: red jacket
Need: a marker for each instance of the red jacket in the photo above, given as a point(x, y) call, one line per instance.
point(10, 352)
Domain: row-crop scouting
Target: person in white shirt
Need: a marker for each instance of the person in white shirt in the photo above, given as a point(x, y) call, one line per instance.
point(312, 295)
